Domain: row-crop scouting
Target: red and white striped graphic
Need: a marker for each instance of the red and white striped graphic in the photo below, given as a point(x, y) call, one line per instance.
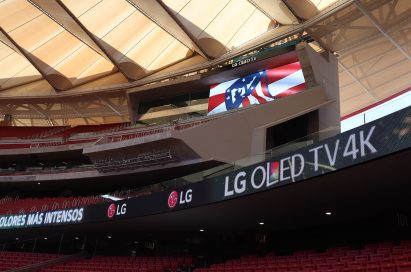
point(258, 88)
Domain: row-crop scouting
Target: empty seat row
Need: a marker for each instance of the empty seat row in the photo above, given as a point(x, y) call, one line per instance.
point(27, 205)
point(11, 260)
point(10, 136)
point(122, 264)
point(381, 257)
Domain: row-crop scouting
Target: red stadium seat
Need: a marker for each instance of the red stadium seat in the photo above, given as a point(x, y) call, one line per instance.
point(123, 264)
point(9, 260)
point(403, 266)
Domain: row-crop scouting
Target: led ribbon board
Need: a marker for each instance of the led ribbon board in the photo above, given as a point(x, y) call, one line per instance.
point(39, 219)
point(365, 143)
point(258, 88)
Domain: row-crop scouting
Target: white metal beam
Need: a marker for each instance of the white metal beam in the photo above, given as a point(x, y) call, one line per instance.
point(110, 105)
point(37, 109)
point(371, 18)
point(357, 81)
point(78, 112)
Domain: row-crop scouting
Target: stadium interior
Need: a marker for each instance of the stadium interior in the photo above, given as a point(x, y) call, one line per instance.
point(205, 136)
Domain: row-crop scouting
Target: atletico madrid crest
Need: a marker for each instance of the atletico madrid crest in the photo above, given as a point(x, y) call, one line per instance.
point(258, 88)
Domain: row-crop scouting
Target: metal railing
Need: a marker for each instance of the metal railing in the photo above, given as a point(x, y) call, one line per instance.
point(231, 166)
point(213, 172)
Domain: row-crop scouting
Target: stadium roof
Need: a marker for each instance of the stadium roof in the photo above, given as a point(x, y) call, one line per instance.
point(75, 59)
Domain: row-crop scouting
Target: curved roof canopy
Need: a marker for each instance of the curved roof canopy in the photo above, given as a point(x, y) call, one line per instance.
point(62, 44)
point(74, 59)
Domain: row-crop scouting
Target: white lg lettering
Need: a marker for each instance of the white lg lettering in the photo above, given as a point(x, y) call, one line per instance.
point(121, 209)
point(350, 149)
point(187, 197)
point(239, 185)
point(295, 167)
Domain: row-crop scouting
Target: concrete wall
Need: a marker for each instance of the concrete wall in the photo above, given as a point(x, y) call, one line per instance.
point(322, 69)
point(239, 135)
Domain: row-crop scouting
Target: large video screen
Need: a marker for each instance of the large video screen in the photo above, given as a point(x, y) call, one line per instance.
point(258, 88)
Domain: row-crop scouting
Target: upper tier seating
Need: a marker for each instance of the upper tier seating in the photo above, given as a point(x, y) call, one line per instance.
point(58, 131)
point(31, 132)
point(28, 205)
point(105, 128)
point(9, 205)
point(384, 257)
point(45, 137)
point(122, 264)
point(10, 260)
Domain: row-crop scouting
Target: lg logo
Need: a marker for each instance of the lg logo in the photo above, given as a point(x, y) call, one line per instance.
point(183, 197)
point(114, 209)
point(172, 199)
